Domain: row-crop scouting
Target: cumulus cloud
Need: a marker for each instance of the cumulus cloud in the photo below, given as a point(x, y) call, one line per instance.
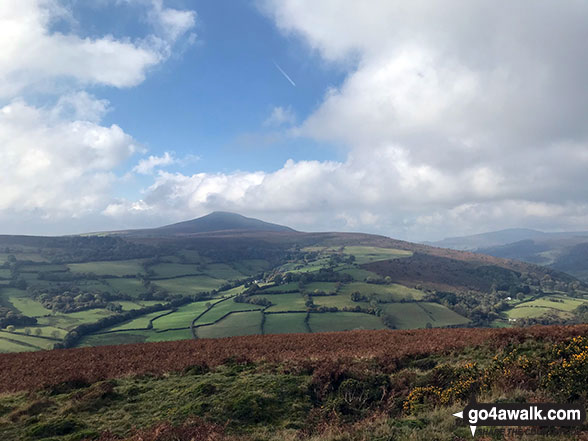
point(56, 167)
point(57, 160)
point(146, 166)
point(280, 116)
point(484, 106)
point(456, 117)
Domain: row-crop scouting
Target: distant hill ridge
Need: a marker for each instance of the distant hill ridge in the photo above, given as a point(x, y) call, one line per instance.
point(220, 221)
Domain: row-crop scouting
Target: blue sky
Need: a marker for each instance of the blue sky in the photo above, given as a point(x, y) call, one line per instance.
point(408, 120)
point(212, 98)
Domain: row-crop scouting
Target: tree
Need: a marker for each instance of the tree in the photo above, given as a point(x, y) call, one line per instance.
point(38, 331)
point(27, 331)
point(10, 328)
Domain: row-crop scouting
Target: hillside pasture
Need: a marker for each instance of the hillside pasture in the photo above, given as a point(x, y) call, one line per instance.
point(278, 289)
point(391, 293)
point(236, 324)
point(50, 268)
point(559, 306)
point(222, 308)
point(190, 285)
point(118, 268)
point(170, 270)
point(327, 287)
point(338, 301)
point(285, 302)
point(288, 323)
point(419, 314)
point(181, 318)
point(9, 344)
point(223, 271)
point(374, 254)
point(251, 267)
point(27, 340)
point(343, 321)
point(115, 338)
point(28, 306)
point(132, 287)
point(358, 274)
point(141, 322)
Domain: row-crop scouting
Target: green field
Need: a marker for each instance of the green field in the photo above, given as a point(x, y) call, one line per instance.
point(327, 287)
point(284, 323)
point(343, 321)
point(544, 306)
point(27, 340)
point(190, 285)
point(181, 334)
point(233, 291)
point(285, 302)
point(132, 287)
point(9, 344)
point(141, 322)
point(305, 267)
point(42, 268)
point(168, 270)
point(374, 254)
point(339, 301)
point(251, 267)
point(288, 287)
point(238, 323)
point(29, 307)
point(223, 271)
point(5, 273)
point(115, 338)
point(393, 292)
point(117, 268)
point(71, 320)
point(224, 307)
point(182, 318)
point(419, 314)
point(358, 274)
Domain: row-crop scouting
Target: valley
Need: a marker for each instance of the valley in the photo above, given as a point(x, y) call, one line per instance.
point(180, 283)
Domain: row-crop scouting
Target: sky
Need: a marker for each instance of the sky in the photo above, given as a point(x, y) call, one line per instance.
point(416, 120)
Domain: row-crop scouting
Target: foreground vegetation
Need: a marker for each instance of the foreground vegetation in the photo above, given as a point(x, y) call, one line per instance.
point(368, 385)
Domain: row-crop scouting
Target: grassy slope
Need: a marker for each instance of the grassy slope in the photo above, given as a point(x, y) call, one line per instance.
point(309, 398)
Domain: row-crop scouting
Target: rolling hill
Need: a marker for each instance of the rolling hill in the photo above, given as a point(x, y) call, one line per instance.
point(218, 221)
point(564, 251)
point(226, 275)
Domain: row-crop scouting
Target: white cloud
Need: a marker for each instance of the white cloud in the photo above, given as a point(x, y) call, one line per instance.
point(146, 166)
point(172, 23)
point(280, 116)
point(35, 58)
point(56, 167)
point(452, 123)
point(58, 162)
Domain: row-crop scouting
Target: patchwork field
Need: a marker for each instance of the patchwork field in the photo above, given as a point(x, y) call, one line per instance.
point(373, 254)
point(118, 268)
point(167, 277)
point(285, 302)
point(182, 318)
point(285, 323)
point(422, 314)
point(190, 285)
point(390, 293)
point(238, 323)
point(559, 306)
point(343, 321)
point(222, 308)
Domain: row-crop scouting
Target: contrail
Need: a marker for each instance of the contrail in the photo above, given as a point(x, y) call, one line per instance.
point(285, 74)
